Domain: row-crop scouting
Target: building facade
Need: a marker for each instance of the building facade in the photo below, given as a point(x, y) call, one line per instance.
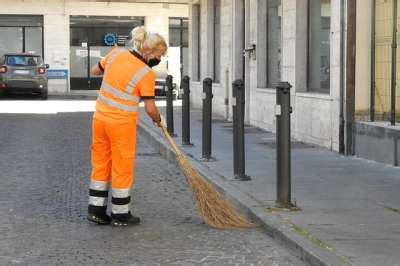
point(72, 35)
point(298, 41)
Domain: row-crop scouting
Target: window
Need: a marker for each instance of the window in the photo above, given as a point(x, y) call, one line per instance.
point(269, 43)
point(19, 60)
point(10, 39)
point(178, 37)
point(21, 33)
point(319, 25)
point(33, 40)
point(93, 29)
point(217, 42)
point(274, 42)
point(178, 31)
point(196, 40)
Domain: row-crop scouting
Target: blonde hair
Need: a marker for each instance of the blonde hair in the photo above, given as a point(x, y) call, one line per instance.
point(145, 41)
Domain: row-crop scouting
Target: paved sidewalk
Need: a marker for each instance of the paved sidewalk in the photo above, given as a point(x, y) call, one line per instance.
point(350, 207)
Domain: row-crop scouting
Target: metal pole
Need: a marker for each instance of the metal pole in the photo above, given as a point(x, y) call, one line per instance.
point(350, 76)
point(394, 62)
point(283, 153)
point(373, 87)
point(207, 113)
point(88, 65)
point(186, 111)
point(238, 104)
point(170, 107)
point(342, 84)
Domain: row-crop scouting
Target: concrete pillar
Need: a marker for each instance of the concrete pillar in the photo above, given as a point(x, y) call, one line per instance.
point(56, 48)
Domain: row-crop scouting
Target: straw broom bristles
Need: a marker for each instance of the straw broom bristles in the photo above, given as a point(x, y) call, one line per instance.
point(215, 210)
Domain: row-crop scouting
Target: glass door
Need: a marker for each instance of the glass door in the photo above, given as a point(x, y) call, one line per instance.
point(91, 39)
point(178, 49)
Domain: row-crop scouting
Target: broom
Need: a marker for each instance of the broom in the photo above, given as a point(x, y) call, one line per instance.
point(215, 210)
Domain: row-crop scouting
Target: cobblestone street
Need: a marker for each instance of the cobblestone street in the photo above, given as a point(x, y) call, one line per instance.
point(44, 168)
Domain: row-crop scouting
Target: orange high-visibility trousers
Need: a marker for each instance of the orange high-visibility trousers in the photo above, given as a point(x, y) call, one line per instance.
point(113, 161)
point(113, 152)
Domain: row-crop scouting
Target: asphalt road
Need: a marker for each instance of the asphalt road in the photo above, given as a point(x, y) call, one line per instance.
point(44, 169)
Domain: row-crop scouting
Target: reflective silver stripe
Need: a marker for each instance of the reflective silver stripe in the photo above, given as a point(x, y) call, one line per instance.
point(117, 105)
point(112, 56)
point(121, 192)
point(99, 185)
point(116, 209)
point(137, 77)
point(97, 201)
point(119, 94)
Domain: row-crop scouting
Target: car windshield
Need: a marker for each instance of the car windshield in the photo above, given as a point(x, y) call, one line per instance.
point(17, 60)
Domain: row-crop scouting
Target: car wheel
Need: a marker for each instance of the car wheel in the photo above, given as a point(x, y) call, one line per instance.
point(43, 95)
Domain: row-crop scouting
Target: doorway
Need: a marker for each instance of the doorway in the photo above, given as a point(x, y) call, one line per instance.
point(178, 49)
point(91, 38)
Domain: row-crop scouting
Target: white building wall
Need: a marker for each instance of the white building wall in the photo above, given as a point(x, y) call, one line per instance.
point(315, 117)
point(56, 24)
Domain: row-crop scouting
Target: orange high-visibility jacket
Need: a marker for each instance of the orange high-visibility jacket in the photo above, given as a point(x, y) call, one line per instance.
point(126, 79)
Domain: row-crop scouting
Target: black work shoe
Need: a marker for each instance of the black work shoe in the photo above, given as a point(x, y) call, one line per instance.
point(97, 214)
point(99, 219)
point(124, 219)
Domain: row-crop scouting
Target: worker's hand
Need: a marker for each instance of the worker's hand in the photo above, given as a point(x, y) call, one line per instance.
point(161, 122)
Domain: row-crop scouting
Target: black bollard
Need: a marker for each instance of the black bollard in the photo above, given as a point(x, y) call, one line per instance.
point(283, 153)
point(238, 103)
point(186, 111)
point(170, 106)
point(207, 115)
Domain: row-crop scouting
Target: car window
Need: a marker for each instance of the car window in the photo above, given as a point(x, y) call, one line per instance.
point(16, 60)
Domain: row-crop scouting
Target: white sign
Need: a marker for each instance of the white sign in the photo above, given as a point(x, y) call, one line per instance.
point(278, 110)
point(84, 44)
point(81, 53)
point(95, 53)
point(233, 100)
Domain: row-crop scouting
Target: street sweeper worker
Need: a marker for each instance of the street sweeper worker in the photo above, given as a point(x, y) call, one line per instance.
point(127, 79)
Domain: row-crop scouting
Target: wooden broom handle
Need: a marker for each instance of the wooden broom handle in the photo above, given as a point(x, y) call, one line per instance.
point(170, 140)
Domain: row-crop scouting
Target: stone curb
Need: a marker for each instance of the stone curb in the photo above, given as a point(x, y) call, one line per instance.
point(273, 225)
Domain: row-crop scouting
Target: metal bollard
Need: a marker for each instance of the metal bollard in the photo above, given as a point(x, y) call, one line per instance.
point(207, 115)
point(238, 103)
point(170, 106)
point(283, 154)
point(186, 112)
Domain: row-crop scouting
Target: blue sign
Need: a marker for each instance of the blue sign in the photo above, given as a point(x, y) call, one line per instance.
point(110, 39)
point(57, 73)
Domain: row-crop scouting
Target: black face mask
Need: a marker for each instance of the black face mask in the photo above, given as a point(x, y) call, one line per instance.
point(153, 62)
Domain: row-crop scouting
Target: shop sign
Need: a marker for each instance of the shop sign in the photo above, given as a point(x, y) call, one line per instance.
point(110, 39)
point(57, 73)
